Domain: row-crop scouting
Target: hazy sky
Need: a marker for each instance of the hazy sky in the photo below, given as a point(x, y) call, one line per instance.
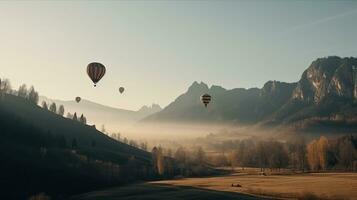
point(156, 49)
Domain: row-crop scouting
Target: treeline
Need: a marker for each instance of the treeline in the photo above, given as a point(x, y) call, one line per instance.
point(118, 137)
point(61, 110)
point(297, 154)
point(182, 162)
point(29, 94)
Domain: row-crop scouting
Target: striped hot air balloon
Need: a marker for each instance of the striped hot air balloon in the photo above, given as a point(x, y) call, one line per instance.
point(206, 98)
point(95, 72)
point(78, 99)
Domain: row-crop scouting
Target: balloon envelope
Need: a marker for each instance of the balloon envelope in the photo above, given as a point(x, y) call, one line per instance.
point(121, 90)
point(206, 99)
point(95, 71)
point(78, 99)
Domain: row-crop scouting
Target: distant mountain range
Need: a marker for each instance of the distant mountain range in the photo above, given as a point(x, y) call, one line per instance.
point(325, 95)
point(114, 119)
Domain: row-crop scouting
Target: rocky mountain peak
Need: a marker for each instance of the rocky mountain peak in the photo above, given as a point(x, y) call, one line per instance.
point(331, 76)
point(150, 109)
point(198, 87)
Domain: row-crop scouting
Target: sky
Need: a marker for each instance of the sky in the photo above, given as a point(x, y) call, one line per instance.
point(157, 49)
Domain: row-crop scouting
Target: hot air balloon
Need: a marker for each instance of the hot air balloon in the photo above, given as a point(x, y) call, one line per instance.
point(121, 90)
point(95, 72)
point(206, 98)
point(78, 99)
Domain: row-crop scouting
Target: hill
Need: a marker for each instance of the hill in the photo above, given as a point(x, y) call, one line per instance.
point(41, 151)
point(114, 119)
point(325, 96)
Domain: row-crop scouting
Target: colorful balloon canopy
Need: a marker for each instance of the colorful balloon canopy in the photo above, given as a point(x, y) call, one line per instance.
point(206, 99)
point(78, 99)
point(95, 71)
point(121, 90)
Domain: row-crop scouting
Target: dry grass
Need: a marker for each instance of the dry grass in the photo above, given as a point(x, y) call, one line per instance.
point(330, 186)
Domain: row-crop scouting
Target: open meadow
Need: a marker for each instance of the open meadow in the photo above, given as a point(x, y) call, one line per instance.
point(298, 186)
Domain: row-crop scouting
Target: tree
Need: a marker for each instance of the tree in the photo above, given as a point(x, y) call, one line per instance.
point(346, 152)
point(5, 86)
point(277, 155)
point(82, 119)
point(233, 158)
point(322, 146)
point(301, 153)
point(312, 155)
point(200, 156)
point(181, 158)
point(262, 150)
point(44, 105)
point(22, 91)
point(53, 107)
point(61, 110)
point(33, 95)
point(158, 160)
point(75, 118)
point(125, 140)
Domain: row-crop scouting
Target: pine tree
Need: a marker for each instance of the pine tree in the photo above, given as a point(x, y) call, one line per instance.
point(75, 118)
point(44, 105)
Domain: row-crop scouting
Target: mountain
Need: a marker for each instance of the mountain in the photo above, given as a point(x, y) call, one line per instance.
point(114, 119)
point(41, 151)
point(325, 95)
point(327, 91)
point(236, 105)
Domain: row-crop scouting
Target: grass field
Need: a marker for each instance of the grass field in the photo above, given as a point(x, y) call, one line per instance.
point(281, 185)
point(149, 191)
point(298, 186)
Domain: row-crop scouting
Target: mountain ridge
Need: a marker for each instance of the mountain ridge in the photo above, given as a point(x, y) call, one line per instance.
point(326, 89)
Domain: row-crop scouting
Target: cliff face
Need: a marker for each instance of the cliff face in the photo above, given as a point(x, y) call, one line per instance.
point(326, 78)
